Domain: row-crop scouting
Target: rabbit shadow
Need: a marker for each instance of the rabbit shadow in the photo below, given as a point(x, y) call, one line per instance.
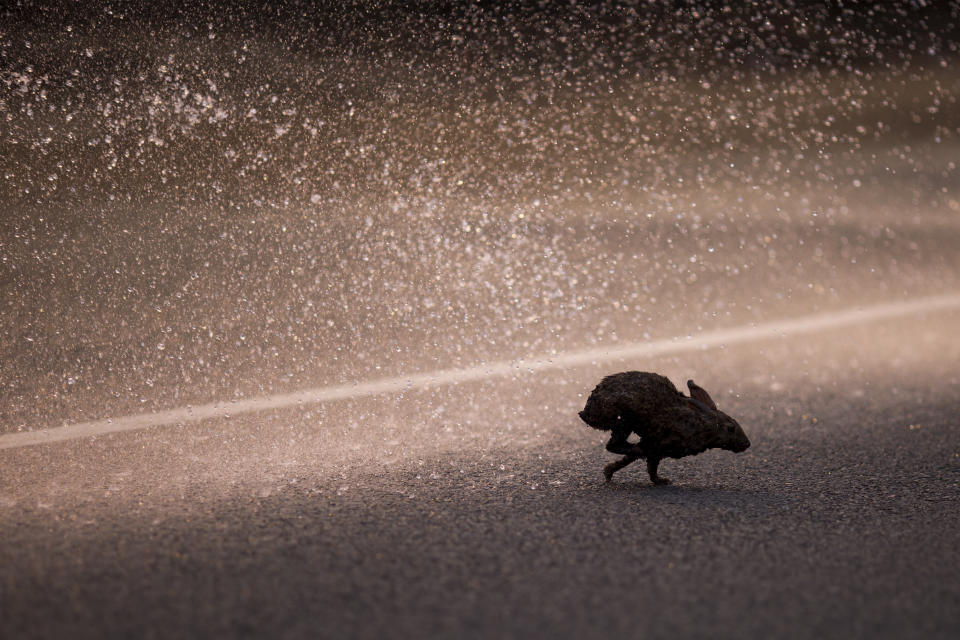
point(696, 496)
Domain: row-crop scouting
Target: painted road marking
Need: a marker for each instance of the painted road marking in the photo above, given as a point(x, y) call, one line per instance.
point(442, 377)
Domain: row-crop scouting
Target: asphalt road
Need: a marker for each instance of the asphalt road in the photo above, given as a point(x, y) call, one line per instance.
point(478, 510)
point(194, 212)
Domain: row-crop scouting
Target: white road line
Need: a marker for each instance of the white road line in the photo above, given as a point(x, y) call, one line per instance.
point(442, 377)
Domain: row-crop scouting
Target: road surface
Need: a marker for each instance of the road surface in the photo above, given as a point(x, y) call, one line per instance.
point(298, 307)
point(478, 510)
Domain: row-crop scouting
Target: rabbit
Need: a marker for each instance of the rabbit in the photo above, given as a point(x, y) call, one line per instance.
point(670, 424)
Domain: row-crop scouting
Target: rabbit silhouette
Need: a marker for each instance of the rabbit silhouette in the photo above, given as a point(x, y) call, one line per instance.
point(669, 424)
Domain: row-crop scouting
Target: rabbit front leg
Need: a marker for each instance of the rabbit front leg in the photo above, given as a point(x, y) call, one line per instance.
point(652, 464)
point(618, 444)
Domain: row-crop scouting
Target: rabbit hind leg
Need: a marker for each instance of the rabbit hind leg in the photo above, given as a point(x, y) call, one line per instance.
point(618, 444)
point(615, 466)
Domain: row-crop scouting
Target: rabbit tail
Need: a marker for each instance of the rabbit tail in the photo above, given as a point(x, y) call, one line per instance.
point(594, 415)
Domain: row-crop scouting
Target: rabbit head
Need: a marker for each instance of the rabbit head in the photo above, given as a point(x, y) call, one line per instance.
point(729, 434)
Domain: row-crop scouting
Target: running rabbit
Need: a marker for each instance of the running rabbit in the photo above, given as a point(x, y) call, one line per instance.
point(670, 424)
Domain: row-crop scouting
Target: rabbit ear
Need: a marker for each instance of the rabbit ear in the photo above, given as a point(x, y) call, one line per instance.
point(693, 403)
point(699, 393)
